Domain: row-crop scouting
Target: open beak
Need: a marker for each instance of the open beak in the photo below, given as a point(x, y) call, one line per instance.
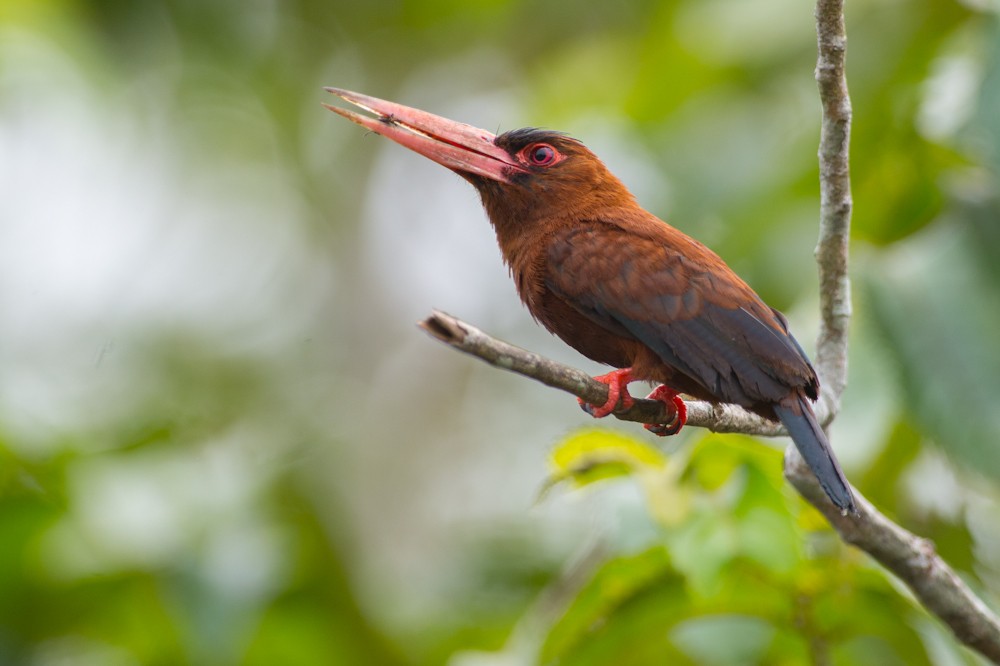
point(460, 147)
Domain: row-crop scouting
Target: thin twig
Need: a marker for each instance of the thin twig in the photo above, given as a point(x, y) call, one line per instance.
point(909, 557)
point(835, 201)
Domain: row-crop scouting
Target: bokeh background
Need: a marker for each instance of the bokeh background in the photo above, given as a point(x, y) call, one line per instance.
point(222, 439)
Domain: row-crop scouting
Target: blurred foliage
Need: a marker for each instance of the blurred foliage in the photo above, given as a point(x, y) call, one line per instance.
point(748, 575)
point(219, 444)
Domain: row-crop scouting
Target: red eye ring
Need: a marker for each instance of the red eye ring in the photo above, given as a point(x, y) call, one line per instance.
point(541, 154)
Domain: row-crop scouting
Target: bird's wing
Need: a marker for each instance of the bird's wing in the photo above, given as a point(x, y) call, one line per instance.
point(679, 299)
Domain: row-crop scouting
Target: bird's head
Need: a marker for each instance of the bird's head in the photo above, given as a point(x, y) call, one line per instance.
point(523, 176)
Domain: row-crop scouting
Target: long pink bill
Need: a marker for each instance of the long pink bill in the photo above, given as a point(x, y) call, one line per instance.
point(458, 146)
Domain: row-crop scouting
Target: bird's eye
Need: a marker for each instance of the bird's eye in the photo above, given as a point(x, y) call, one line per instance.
point(541, 154)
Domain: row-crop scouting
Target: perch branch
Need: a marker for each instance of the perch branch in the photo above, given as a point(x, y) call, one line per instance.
point(469, 339)
point(909, 557)
point(912, 559)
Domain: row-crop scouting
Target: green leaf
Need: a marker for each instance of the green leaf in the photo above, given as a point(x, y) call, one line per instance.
point(702, 548)
point(769, 538)
point(986, 128)
point(622, 615)
point(591, 455)
point(944, 350)
point(724, 639)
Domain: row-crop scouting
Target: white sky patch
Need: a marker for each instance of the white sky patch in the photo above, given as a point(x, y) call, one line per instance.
point(948, 96)
point(107, 233)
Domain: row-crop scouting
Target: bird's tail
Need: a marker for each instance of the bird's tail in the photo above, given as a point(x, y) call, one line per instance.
point(811, 441)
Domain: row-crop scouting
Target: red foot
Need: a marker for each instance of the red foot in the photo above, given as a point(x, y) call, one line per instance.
point(617, 383)
point(668, 397)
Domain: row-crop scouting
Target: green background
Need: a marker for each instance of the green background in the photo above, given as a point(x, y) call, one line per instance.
point(223, 441)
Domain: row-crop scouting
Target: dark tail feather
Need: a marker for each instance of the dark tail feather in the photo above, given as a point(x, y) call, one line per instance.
point(812, 443)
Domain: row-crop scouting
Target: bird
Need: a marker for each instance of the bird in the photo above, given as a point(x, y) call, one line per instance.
point(620, 285)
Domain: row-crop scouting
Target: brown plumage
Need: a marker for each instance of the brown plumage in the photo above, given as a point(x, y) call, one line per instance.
point(620, 285)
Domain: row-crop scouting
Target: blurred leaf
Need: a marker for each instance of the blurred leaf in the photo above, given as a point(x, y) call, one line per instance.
point(896, 176)
point(985, 129)
point(742, 448)
point(317, 618)
point(725, 639)
point(945, 350)
point(750, 520)
point(622, 615)
point(595, 455)
point(702, 548)
point(768, 537)
point(881, 479)
point(713, 463)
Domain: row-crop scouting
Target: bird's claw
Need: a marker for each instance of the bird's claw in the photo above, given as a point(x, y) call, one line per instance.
point(617, 383)
point(618, 398)
point(669, 398)
point(664, 429)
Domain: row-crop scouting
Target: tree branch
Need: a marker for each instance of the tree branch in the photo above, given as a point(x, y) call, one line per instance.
point(912, 559)
point(909, 557)
point(835, 202)
point(469, 339)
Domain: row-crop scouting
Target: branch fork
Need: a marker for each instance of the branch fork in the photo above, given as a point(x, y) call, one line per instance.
point(911, 558)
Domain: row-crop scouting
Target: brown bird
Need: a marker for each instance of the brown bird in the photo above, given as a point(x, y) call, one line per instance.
point(618, 284)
